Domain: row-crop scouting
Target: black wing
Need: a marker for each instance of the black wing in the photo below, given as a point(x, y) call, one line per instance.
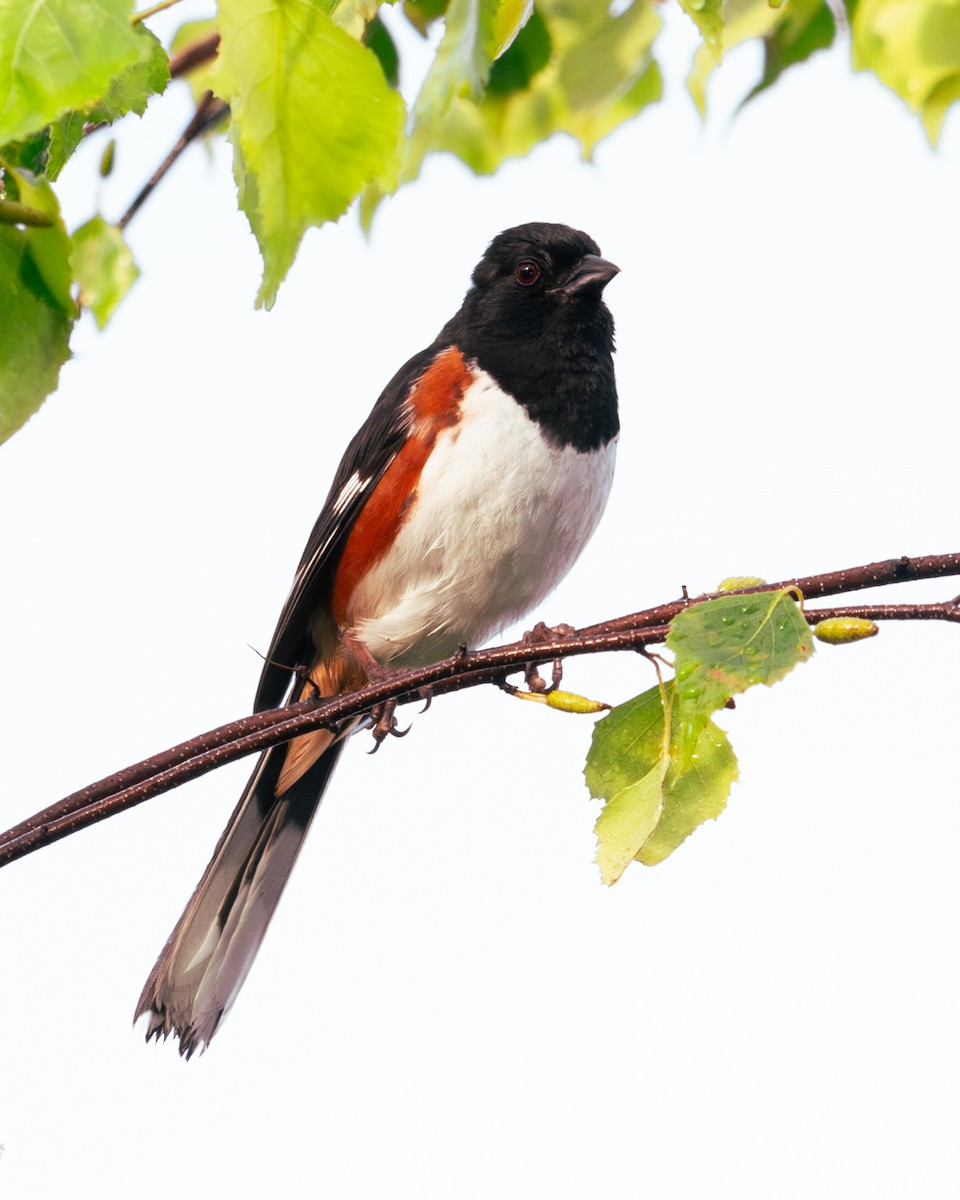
point(366, 459)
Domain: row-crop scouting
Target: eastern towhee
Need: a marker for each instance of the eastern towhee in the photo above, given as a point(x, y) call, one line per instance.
point(464, 499)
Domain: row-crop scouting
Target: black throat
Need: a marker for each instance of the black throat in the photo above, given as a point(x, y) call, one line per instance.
point(560, 368)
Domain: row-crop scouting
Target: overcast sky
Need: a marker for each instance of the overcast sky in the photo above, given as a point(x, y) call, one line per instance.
point(449, 1004)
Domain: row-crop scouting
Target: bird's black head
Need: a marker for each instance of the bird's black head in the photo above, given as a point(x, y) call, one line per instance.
point(535, 270)
point(535, 320)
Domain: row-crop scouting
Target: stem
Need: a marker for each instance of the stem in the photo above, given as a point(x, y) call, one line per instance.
point(209, 112)
point(152, 11)
point(194, 55)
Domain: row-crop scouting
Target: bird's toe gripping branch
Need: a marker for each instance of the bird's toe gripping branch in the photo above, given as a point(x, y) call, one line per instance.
point(537, 636)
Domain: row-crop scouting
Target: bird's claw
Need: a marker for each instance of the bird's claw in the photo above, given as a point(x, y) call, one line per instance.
point(537, 636)
point(385, 724)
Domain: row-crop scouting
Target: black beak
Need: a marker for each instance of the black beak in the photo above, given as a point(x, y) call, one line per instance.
point(590, 276)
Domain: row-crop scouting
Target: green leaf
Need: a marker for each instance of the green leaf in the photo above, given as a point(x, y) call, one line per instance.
point(627, 744)
point(29, 152)
point(47, 248)
point(805, 26)
point(628, 820)
point(588, 72)
point(66, 134)
point(526, 57)
point(354, 16)
point(790, 32)
point(131, 88)
point(661, 774)
point(422, 13)
point(627, 764)
point(36, 309)
point(692, 795)
point(377, 37)
point(914, 48)
point(57, 55)
point(104, 267)
point(460, 69)
point(707, 15)
point(654, 802)
point(723, 646)
point(313, 121)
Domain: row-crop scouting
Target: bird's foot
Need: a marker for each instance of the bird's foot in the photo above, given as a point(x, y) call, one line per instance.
point(537, 636)
point(384, 725)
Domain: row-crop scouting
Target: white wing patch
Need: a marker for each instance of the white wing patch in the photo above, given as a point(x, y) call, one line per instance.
point(348, 493)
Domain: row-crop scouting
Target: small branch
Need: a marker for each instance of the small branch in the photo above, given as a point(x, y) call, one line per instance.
point(888, 612)
point(194, 55)
point(251, 734)
point(210, 111)
point(196, 757)
point(830, 583)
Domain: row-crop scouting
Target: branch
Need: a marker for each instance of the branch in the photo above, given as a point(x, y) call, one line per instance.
point(210, 111)
point(194, 55)
point(251, 734)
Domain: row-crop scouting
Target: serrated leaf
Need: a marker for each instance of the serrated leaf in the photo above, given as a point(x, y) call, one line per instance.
point(598, 73)
point(692, 795)
point(36, 310)
point(460, 69)
point(131, 88)
point(654, 801)
point(626, 766)
point(313, 121)
point(29, 152)
point(790, 32)
point(628, 819)
point(913, 46)
point(66, 134)
point(57, 55)
point(626, 744)
point(103, 266)
point(723, 646)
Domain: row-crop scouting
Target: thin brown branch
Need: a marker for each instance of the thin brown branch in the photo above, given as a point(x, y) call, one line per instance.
point(195, 55)
point(196, 757)
point(830, 583)
point(251, 734)
point(210, 111)
point(887, 612)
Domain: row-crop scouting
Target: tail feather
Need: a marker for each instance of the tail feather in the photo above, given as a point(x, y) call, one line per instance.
point(207, 957)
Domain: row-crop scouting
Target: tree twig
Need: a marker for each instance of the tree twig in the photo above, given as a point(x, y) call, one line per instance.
point(195, 55)
point(210, 111)
point(192, 758)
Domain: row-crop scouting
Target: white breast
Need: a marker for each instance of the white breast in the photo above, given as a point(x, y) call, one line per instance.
point(500, 518)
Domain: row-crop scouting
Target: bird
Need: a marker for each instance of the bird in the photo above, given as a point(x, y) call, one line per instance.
point(465, 497)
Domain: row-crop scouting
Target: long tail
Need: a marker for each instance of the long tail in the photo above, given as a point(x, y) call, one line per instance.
point(206, 959)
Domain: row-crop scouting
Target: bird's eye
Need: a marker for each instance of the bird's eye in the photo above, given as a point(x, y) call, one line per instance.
point(526, 273)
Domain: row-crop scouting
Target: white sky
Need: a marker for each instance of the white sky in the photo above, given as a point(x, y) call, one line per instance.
point(449, 1004)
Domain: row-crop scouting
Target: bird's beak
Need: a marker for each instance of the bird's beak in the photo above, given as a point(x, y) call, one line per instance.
point(590, 275)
